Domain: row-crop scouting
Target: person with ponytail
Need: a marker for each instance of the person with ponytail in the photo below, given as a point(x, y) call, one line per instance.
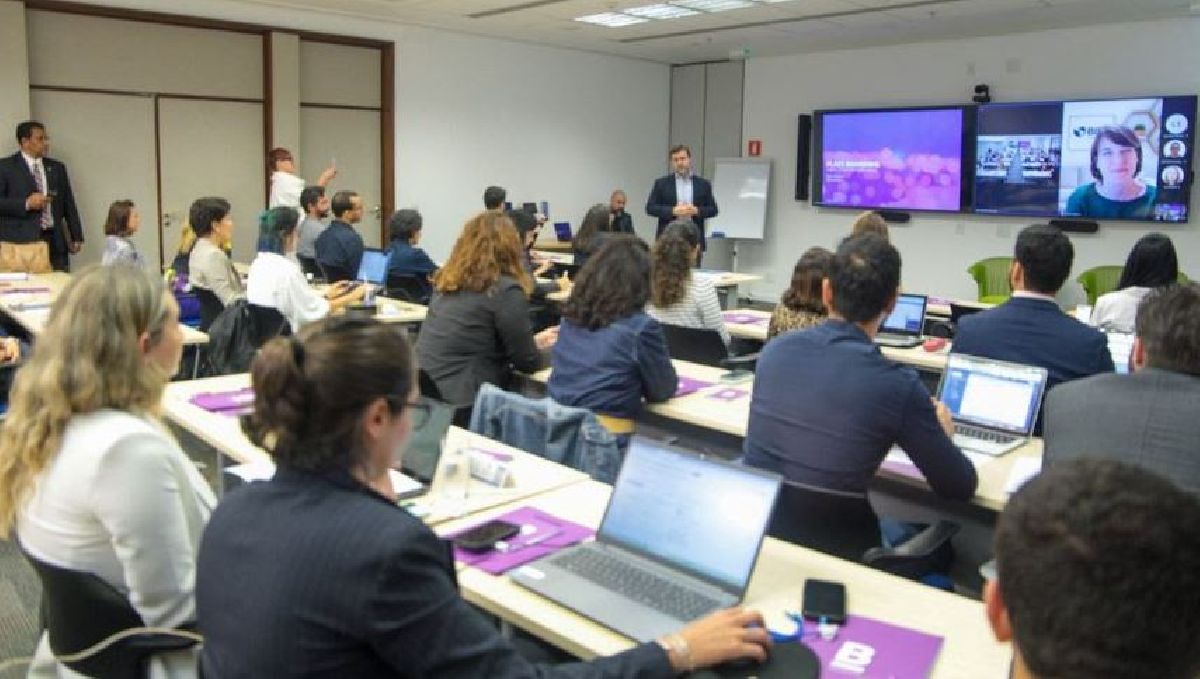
point(319, 573)
point(276, 280)
point(90, 478)
point(677, 295)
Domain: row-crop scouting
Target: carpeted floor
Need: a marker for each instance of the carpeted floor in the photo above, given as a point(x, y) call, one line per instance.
point(20, 595)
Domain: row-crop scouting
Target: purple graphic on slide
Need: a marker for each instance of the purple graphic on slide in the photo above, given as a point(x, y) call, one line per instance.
point(893, 159)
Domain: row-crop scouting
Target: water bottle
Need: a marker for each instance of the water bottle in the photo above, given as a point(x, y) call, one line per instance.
point(456, 478)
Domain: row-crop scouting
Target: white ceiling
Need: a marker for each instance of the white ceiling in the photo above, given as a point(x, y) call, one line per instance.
point(766, 29)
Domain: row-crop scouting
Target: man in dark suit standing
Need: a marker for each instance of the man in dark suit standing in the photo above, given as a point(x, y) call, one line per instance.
point(1030, 328)
point(681, 195)
point(36, 201)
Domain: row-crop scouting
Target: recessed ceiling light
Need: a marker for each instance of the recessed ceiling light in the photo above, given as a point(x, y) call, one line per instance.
point(714, 5)
point(611, 19)
point(660, 11)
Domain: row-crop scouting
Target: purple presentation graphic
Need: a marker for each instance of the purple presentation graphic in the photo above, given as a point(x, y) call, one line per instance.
point(903, 159)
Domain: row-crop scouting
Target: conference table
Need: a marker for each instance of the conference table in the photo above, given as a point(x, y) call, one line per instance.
point(968, 650)
point(223, 433)
point(28, 302)
point(726, 408)
point(726, 282)
point(752, 324)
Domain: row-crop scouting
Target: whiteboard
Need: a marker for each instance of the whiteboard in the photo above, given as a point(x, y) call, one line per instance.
point(741, 187)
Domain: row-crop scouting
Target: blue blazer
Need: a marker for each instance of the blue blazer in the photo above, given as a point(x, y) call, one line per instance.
point(662, 200)
point(1035, 332)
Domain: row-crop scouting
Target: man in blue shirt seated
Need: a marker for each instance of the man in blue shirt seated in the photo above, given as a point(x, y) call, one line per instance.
point(404, 228)
point(1030, 328)
point(1098, 575)
point(827, 405)
point(340, 247)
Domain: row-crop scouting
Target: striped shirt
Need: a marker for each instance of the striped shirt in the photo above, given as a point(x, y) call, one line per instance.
point(699, 308)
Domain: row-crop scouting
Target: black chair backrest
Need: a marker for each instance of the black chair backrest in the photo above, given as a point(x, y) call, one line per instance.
point(80, 609)
point(695, 344)
point(408, 288)
point(334, 274)
point(840, 524)
point(309, 266)
point(268, 323)
point(210, 306)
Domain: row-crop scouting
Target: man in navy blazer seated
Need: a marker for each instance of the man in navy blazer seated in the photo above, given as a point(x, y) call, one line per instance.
point(1030, 328)
point(1150, 418)
point(681, 195)
point(827, 405)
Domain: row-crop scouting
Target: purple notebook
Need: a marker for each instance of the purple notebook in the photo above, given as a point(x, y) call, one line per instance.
point(728, 394)
point(551, 535)
point(869, 648)
point(225, 402)
point(743, 318)
point(688, 385)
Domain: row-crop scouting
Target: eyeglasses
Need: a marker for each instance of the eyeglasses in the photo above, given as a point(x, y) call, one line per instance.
point(419, 409)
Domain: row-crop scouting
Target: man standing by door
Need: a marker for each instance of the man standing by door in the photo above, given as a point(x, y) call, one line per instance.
point(681, 195)
point(36, 205)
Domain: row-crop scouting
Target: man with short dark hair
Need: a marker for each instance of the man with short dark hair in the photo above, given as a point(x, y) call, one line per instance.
point(37, 204)
point(620, 221)
point(493, 198)
point(340, 248)
point(1098, 575)
point(681, 195)
point(316, 207)
point(1150, 418)
point(1030, 328)
point(827, 405)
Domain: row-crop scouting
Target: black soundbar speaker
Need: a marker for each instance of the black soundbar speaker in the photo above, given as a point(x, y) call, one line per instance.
point(1076, 225)
point(803, 147)
point(894, 217)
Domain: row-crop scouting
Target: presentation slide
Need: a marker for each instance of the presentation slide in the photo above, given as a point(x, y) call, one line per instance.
point(891, 159)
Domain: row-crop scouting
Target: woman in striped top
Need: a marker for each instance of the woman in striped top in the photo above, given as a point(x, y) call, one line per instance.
point(678, 296)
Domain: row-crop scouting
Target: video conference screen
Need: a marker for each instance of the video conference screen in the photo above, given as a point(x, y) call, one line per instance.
point(1102, 159)
point(897, 159)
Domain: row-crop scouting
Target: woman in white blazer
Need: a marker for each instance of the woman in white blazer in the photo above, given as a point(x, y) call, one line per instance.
point(90, 478)
point(1152, 263)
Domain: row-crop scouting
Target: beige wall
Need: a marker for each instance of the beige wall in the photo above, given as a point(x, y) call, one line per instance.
point(285, 92)
point(14, 73)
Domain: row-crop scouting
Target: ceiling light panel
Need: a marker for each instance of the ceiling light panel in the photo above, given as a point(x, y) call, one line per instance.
point(714, 5)
point(660, 11)
point(611, 19)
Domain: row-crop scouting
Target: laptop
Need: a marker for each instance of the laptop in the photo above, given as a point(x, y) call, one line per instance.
point(562, 231)
point(424, 452)
point(902, 328)
point(374, 266)
point(958, 311)
point(1120, 345)
point(678, 541)
point(994, 403)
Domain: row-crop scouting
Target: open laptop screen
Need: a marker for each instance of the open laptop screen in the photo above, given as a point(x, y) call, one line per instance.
point(374, 267)
point(992, 394)
point(908, 317)
point(705, 517)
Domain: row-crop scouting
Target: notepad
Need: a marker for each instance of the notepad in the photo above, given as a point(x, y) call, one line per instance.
point(866, 647)
point(744, 318)
point(549, 535)
point(687, 385)
point(236, 401)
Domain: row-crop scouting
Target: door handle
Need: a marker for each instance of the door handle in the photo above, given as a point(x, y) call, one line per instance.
point(378, 210)
point(168, 220)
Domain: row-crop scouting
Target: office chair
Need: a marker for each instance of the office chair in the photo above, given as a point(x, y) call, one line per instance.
point(310, 267)
point(1099, 280)
point(268, 323)
point(845, 525)
point(991, 276)
point(210, 306)
point(705, 347)
point(80, 609)
point(408, 288)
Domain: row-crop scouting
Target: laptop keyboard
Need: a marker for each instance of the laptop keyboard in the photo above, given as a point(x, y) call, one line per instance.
point(983, 434)
point(638, 584)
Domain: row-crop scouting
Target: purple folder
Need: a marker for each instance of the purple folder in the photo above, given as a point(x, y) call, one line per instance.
point(743, 318)
point(688, 385)
point(552, 534)
point(899, 652)
point(225, 402)
point(728, 394)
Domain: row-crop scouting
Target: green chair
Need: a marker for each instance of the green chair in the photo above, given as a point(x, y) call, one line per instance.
point(991, 275)
point(1100, 280)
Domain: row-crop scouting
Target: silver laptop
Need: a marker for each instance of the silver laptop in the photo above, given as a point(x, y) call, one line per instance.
point(994, 403)
point(678, 541)
point(902, 327)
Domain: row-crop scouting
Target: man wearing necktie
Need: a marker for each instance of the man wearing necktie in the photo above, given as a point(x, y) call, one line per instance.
point(36, 201)
point(681, 195)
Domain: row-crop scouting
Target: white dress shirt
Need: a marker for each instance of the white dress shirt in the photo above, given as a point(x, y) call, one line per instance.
point(683, 189)
point(285, 190)
point(1117, 310)
point(277, 282)
point(122, 501)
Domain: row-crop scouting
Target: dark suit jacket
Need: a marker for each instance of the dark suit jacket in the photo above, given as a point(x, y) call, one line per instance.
point(662, 200)
point(1035, 332)
point(622, 223)
point(1150, 418)
point(18, 225)
point(312, 575)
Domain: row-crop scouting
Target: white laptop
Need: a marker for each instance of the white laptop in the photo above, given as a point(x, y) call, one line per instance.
point(902, 327)
point(678, 541)
point(994, 403)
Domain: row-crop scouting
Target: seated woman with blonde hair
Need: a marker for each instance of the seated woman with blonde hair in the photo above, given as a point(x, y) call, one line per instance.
point(90, 478)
